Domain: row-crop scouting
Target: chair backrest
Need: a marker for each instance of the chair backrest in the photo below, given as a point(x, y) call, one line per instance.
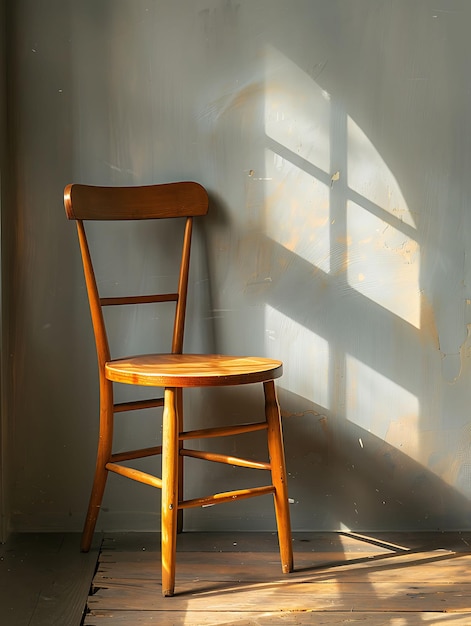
point(173, 200)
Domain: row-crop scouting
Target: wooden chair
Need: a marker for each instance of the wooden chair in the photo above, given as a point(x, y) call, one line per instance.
point(171, 372)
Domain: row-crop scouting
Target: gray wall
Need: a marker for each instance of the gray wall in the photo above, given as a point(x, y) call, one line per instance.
point(333, 138)
point(4, 465)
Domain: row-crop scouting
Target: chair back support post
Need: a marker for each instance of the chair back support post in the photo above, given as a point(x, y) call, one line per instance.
point(99, 328)
point(180, 312)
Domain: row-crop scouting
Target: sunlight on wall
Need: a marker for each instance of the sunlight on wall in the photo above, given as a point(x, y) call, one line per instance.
point(383, 256)
point(308, 376)
point(370, 177)
point(357, 215)
point(297, 119)
point(297, 111)
point(383, 264)
point(298, 221)
point(375, 403)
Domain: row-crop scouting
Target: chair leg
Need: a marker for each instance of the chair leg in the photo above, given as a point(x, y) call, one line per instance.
point(105, 443)
point(170, 456)
point(94, 505)
point(278, 472)
point(179, 407)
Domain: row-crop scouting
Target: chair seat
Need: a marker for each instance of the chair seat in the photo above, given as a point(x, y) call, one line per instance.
point(192, 370)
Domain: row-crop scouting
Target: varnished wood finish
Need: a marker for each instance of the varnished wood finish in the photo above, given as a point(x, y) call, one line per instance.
point(169, 492)
point(192, 370)
point(224, 458)
point(386, 579)
point(179, 410)
point(136, 405)
point(119, 457)
point(135, 474)
point(227, 496)
point(87, 202)
point(173, 372)
point(98, 322)
point(180, 311)
point(104, 454)
point(223, 431)
point(159, 297)
point(278, 473)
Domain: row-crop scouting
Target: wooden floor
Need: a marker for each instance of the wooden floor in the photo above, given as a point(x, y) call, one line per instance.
point(44, 579)
point(340, 578)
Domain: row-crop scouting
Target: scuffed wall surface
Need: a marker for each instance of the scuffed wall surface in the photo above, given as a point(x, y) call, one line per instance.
point(333, 138)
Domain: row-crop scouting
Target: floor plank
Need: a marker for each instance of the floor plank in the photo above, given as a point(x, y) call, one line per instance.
point(329, 596)
point(230, 618)
point(235, 578)
point(442, 567)
point(45, 580)
point(347, 542)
